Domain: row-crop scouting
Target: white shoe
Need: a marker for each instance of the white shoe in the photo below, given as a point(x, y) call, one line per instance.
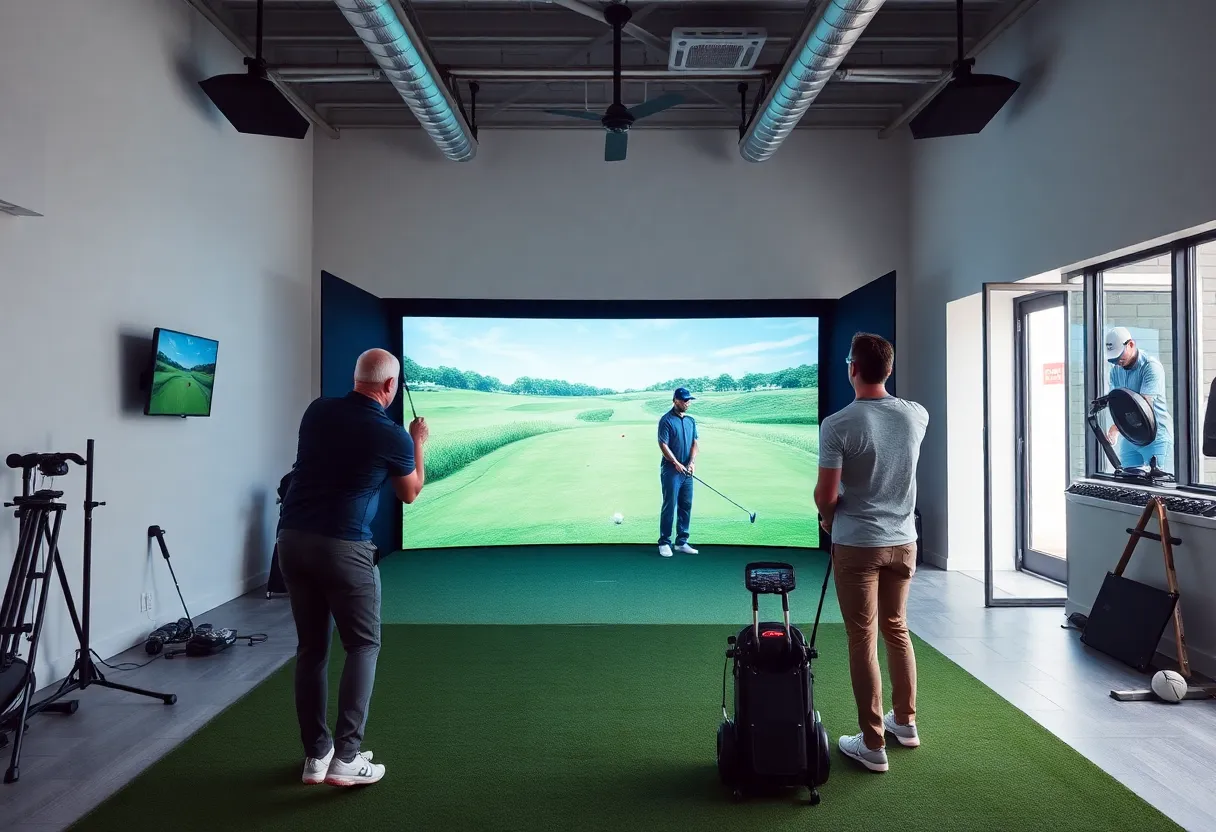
point(906, 734)
point(316, 767)
point(684, 548)
point(359, 772)
point(665, 550)
point(854, 747)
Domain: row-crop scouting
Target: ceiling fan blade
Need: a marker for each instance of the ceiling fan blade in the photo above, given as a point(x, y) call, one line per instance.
point(657, 105)
point(586, 115)
point(615, 146)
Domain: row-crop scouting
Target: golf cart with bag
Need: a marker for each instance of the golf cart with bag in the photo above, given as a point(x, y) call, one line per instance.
point(776, 739)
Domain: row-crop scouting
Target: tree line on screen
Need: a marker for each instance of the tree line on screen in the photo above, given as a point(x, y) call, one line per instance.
point(197, 368)
point(805, 375)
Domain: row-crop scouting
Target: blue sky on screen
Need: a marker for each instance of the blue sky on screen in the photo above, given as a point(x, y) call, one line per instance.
point(187, 350)
point(617, 354)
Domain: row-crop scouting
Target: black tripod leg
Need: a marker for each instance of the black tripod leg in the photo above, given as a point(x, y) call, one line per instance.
point(99, 679)
point(18, 735)
point(34, 541)
point(167, 698)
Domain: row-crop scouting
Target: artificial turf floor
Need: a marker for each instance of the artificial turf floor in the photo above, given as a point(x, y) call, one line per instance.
point(590, 726)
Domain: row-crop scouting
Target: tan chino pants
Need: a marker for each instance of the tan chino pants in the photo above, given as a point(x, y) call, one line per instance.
point(872, 586)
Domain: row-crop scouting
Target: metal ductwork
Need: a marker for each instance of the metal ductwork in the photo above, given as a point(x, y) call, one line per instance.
point(829, 35)
point(398, 48)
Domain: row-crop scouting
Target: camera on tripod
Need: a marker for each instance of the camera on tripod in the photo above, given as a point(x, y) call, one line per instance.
point(49, 465)
point(23, 611)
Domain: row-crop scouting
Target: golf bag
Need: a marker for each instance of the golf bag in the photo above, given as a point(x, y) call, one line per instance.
point(775, 738)
point(275, 583)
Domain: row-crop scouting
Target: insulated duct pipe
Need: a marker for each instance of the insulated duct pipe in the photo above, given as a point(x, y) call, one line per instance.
point(397, 47)
point(831, 32)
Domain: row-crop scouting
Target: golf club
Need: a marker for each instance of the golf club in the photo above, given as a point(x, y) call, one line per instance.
point(406, 385)
point(751, 514)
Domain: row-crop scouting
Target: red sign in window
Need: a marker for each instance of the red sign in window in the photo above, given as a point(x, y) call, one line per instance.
point(1053, 373)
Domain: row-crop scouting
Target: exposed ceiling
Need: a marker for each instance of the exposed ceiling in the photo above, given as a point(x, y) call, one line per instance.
point(530, 55)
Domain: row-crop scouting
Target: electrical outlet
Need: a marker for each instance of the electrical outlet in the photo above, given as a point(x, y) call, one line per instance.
point(145, 602)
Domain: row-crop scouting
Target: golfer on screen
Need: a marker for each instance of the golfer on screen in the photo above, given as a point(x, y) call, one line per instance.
point(1141, 373)
point(678, 442)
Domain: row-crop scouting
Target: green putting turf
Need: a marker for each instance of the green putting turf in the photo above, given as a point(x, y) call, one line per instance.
point(592, 585)
point(612, 728)
point(506, 469)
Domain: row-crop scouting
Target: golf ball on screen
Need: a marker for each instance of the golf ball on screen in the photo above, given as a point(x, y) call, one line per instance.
point(618, 518)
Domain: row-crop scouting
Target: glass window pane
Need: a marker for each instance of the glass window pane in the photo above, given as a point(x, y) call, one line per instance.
point(1205, 349)
point(1137, 307)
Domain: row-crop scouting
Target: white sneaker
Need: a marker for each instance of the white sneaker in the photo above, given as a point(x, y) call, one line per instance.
point(906, 734)
point(315, 768)
point(665, 550)
point(854, 747)
point(684, 548)
point(359, 772)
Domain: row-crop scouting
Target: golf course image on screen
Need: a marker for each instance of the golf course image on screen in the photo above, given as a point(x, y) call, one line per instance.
point(184, 375)
point(546, 430)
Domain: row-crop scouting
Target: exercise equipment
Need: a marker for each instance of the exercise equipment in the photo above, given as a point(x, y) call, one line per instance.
point(1134, 418)
point(776, 739)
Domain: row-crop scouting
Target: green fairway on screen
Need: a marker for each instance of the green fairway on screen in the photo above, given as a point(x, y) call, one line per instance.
point(546, 430)
point(184, 375)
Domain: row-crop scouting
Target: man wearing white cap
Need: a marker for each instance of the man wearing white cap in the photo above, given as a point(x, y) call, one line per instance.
point(1141, 373)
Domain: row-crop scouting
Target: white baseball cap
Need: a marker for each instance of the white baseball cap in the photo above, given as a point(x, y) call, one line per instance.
point(1116, 340)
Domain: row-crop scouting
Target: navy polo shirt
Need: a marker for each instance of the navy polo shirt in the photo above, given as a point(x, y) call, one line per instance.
point(677, 433)
point(348, 448)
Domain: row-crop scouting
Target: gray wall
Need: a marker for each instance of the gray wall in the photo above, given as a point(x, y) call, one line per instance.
point(157, 213)
point(539, 214)
point(1107, 145)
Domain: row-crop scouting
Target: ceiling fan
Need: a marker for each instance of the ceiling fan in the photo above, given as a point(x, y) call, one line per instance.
point(618, 118)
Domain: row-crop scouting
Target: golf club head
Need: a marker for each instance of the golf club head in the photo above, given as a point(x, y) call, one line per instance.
point(753, 517)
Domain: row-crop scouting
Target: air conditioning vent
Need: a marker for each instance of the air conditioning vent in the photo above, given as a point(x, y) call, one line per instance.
point(715, 50)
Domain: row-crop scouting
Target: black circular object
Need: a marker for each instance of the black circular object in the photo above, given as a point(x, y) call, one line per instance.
point(1132, 414)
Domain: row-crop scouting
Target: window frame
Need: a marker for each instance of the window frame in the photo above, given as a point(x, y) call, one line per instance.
point(1186, 307)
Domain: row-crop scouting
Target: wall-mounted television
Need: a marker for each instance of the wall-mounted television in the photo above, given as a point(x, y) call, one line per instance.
point(182, 374)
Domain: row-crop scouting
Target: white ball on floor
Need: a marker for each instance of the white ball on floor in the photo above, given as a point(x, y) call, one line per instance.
point(1169, 685)
point(618, 518)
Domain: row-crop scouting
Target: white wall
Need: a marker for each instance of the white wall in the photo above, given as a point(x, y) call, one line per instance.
point(157, 213)
point(1107, 144)
point(541, 215)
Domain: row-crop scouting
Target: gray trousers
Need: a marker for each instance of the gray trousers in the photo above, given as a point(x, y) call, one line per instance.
point(332, 582)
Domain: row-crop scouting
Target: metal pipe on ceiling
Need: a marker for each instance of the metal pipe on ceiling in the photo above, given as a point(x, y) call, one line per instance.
point(832, 30)
point(600, 73)
point(398, 47)
point(859, 74)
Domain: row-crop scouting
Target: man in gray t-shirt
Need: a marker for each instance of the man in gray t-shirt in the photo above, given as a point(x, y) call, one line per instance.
point(866, 496)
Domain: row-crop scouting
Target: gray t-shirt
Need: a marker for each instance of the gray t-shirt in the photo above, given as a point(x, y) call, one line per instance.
point(876, 444)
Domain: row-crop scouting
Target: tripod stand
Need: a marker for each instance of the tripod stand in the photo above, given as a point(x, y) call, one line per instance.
point(40, 518)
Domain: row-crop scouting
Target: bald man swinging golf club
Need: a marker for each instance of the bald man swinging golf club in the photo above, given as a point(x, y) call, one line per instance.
point(348, 449)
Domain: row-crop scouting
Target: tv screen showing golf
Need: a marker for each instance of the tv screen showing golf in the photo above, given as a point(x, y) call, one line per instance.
point(183, 374)
point(548, 431)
